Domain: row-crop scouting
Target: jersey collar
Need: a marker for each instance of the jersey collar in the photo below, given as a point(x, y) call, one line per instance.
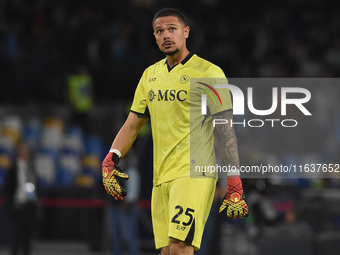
point(186, 59)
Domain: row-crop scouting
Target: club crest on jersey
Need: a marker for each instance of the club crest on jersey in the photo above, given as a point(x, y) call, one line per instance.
point(184, 79)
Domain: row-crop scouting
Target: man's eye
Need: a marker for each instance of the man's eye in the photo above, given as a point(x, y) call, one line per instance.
point(172, 29)
point(159, 31)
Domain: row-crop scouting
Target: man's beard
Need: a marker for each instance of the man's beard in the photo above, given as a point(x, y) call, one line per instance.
point(171, 53)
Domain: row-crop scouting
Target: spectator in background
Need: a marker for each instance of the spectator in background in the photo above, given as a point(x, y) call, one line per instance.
point(123, 215)
point(261, 204)
point(80, 96)
point(21, 199)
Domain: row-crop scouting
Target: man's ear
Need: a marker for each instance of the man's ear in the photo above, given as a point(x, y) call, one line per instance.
point(186, 32)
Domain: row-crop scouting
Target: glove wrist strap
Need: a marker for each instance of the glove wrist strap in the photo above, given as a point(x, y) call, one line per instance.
point(234, 172)
point(115, 156)
point(119, 154)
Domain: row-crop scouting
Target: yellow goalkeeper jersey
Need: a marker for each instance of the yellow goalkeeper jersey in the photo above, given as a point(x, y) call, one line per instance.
point(168, 97)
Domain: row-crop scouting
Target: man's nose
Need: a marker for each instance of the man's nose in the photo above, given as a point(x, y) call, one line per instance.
point(166, 34)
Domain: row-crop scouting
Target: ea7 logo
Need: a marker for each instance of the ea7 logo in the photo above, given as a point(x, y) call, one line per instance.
point(179, 227)
point(238, 100)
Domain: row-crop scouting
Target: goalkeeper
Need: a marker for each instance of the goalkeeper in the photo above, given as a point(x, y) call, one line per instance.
point(180, 205)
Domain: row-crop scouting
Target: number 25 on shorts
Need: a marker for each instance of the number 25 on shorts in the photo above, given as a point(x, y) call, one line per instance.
point(188, 212)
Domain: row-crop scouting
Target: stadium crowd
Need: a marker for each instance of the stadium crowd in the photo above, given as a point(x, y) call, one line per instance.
point(42, 42)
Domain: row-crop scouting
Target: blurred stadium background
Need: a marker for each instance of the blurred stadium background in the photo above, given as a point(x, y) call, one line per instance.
point(50, 49)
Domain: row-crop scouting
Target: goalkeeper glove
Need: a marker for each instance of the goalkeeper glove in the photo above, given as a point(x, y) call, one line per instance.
point(112, 174)
point(234, 201)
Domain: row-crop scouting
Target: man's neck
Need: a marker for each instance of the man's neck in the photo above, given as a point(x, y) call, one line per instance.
point(177, 58)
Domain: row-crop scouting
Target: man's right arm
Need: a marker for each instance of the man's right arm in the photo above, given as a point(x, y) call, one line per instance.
point(128, 133)
point(112, 173)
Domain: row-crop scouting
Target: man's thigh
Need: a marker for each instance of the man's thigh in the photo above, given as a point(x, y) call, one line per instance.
point(186, 206)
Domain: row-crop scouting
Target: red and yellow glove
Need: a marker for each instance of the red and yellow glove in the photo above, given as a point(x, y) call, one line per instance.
point(234, 201)
point(112, 174)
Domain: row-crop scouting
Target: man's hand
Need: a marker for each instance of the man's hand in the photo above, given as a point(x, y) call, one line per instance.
point(233, 201)
point(111, 175)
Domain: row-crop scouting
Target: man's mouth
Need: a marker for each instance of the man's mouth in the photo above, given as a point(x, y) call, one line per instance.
point(167, 44)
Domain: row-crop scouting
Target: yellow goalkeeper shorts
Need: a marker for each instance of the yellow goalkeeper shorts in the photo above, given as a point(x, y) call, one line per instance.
point(180, 209)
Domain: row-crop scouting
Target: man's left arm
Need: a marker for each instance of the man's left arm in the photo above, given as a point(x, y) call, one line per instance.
point(233, 202)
